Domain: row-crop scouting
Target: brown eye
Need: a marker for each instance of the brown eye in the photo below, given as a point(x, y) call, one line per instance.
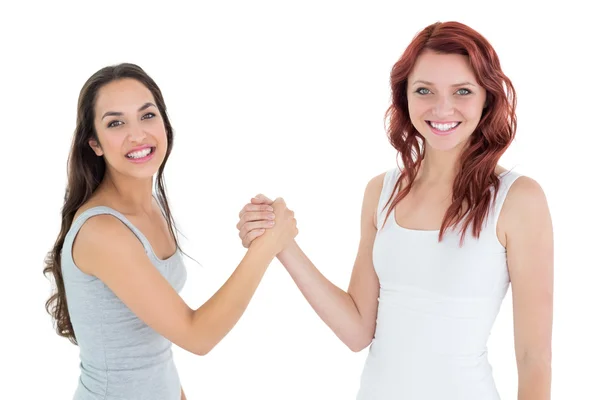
point(148, 116)
point(113, 124)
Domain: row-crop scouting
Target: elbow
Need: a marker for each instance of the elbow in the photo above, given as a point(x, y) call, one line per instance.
point(199, 346)
point(361, 337)
point(534, 365)
point(197, 341)
point(358, 347)
point(538, 359)
point(202, 349)
point(358, 344)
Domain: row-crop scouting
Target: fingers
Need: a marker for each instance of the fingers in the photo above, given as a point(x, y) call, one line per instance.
point(254, 226)
point(255, 216)
point(258, 216)
point(255, 208)
point(249, 238)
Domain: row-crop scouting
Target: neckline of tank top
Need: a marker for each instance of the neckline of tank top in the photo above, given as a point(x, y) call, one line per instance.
point(430, 231)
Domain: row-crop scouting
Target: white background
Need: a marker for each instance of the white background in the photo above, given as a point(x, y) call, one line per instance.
point(284, 98)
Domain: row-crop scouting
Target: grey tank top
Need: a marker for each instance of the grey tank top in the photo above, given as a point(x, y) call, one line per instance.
point(120, 356)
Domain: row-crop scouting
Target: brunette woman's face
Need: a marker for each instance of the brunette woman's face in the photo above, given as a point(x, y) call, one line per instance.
point(131, 132)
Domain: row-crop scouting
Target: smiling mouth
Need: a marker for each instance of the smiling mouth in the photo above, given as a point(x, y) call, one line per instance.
point(444, 127)
point(136, 155)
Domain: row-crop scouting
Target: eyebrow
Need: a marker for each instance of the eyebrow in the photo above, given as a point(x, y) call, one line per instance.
point(466, 83)
point(118, 114)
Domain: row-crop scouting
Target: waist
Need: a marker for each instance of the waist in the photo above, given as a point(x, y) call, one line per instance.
point(410, 320)
point(426, 376)
point(159, 380)
point(419, 357)
point(119, 356)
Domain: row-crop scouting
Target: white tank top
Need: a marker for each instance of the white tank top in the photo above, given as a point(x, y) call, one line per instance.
point(437, 305)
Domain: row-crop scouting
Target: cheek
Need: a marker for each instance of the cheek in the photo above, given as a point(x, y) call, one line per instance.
point(473, 112)
point(160, 137)
point(115, 142)
point(474, 107)
point(416, 109)
point(156, 128)
point(112, 144)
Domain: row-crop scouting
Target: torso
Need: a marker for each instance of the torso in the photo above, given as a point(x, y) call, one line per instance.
point(435, 300)
point(153, 226)
point(424, 208)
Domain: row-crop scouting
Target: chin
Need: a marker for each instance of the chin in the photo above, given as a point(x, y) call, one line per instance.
point(445, 143)
point(146, 171)
point(441, 148)
point(142, 175)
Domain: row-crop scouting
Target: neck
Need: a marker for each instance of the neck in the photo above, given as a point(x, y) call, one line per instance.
point(439, 167)
point(134, 195)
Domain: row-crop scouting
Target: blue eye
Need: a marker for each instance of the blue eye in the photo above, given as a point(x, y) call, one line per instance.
point(423, 91)
point(463, 92)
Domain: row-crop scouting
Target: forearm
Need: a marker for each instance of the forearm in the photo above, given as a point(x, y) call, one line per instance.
point(215, 318)
point(534, 381)
point(333, 305)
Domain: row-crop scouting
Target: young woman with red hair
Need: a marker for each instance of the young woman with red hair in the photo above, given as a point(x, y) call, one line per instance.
point(442, 237)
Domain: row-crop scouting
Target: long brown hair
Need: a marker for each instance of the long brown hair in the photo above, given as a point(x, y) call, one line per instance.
point(85, 171)
point(493, 135)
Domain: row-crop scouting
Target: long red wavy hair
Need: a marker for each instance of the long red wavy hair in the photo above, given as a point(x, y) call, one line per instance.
point(493, 135)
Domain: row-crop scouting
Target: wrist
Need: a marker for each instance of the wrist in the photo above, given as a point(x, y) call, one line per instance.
point(288, 251)
point(263, 248)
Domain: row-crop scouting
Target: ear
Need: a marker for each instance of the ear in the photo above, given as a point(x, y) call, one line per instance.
point(96, 147)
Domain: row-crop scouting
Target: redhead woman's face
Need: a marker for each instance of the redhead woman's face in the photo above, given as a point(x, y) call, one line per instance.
point(445, 102)
point(131, 131)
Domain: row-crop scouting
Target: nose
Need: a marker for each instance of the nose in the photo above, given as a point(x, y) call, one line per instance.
point(136, 132)
point(444, 106)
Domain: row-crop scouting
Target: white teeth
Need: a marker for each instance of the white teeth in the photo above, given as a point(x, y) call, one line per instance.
point(444, 127)
point(139, 154)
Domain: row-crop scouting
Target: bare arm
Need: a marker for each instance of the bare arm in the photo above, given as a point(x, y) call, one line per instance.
point(107, 249)
point(352, 314)
point(531, 266)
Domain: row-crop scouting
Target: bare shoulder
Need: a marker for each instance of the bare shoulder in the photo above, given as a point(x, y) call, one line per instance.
point(106, 227)
point(95, 201)
point(102, 235)
point(524, 195)
point(99, 198)
point(374, 186)
point(525, 207)
point(371, 197)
